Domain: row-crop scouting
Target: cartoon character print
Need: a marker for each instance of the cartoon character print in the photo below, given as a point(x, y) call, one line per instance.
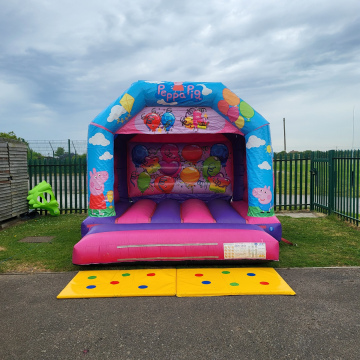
point(195, 118)
point(154, 119)
point(264, 196)
point(97, 198)
point(178, 86)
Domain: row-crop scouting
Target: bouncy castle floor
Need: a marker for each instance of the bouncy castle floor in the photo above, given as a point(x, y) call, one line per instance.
point(176, 282)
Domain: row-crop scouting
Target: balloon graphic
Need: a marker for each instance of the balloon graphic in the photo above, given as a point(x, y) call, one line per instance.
point(223, 106)
point(231, 98)
point(218, 183)
point(190, 176)
point(171, 168)
point(170, 152)
point(168, 120)
point(152, 121)
point(221, 152)
point(233, 113)
point(151, 164)
point(143, 181)
point(164, 184)
point(240, 122)
point(211, 167)
point(246, 110)
point(192, 153)
point(138, 154)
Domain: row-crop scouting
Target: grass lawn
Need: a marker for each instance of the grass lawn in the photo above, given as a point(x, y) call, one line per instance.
point(324, 241)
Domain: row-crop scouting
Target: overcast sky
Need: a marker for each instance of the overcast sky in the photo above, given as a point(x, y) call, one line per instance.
point(63, 62)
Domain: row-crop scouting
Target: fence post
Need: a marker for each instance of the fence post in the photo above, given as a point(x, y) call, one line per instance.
point(312, 180)
point(69, 175)
point(331, 190)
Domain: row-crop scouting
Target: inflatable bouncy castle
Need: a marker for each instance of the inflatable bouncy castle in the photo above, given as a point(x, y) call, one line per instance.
point(179, 171)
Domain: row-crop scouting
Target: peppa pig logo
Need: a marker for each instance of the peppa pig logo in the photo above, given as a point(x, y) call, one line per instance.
point(172, 93)
point(264, 196)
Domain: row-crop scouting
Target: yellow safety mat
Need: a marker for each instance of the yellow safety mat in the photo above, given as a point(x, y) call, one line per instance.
point(180, 282)
point(119, 283)
point(232, 281)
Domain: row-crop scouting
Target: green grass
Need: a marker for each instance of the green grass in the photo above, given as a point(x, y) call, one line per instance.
point(324, 241)
point(54, 256)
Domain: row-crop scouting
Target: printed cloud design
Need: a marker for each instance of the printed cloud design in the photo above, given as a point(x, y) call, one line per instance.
point(99, 139)
point(205, 90)
point(115, 113)
point(163, 102)
point(106, 156)
point(264, 166)
point(254, 141)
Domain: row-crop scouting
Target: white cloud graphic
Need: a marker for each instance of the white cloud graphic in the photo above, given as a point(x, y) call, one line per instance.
point(205, 90)
point(99, 139)
point(163, 102)
point(254, 141)
point(115, 113)
point(264, 166)
point(106, 156)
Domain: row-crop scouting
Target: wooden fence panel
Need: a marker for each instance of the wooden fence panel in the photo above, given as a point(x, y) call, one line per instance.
point(13, 178)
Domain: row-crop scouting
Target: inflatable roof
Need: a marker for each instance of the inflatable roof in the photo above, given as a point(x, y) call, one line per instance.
point(202, 108)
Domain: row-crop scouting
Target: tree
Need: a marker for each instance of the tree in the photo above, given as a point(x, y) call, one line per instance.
point(60, 151)
point(31, 153)
point(12, 135)
point(34, 155)
point(307, 153)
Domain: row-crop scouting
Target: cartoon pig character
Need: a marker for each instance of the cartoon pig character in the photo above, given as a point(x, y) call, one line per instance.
point(264, 195)
point(97, 198)
point(196, 117)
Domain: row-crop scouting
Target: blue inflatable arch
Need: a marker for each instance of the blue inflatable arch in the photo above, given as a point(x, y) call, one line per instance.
point(239, 115)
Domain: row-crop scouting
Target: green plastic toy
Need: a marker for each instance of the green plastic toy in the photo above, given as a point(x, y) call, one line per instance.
point(38, 191)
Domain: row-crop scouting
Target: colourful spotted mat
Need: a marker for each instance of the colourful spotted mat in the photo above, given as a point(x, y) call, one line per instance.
point(179, 282)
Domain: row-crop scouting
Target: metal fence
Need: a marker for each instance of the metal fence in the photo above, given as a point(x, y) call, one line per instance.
point(336, 183)
point(67, 176)
point(52, 148)
point(292, 180)
point(321, 181)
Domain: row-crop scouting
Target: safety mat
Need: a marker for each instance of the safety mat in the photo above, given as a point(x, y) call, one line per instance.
point(179, 282)
point(232, 281)
point(120, 283)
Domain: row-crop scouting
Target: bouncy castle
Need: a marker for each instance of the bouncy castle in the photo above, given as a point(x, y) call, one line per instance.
point(179, 171)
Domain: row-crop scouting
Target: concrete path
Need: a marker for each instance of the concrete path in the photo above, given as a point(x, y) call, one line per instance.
point(300, 214)
point(321, 322)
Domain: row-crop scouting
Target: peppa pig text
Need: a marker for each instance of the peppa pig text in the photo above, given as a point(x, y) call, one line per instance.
point(190, 92)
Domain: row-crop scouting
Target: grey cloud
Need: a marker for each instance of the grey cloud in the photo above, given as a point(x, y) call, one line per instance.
point(74, 58)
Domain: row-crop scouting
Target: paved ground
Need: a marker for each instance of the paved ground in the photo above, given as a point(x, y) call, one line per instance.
point(321, 322)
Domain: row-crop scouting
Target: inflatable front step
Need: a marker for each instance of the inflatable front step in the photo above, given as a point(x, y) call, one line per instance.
point(115, 243)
